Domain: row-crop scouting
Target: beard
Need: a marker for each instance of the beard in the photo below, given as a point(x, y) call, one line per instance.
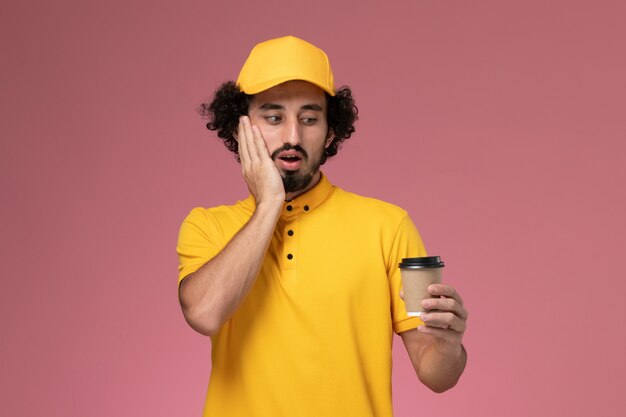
point(298, 180)
point(295, 181)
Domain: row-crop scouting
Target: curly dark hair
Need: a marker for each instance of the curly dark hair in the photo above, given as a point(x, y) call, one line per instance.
point(229, 103)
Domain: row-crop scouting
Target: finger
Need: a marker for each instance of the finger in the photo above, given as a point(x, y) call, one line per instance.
point(447, 335)
point(244, 156)
point(442, 290)
point(444, 320)
point(249, 139)
point(445, 304)
point(259, 142)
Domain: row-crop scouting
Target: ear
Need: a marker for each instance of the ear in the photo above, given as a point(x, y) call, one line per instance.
point(330, 136)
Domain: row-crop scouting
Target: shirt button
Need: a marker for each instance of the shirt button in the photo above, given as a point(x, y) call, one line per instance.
point(289, 208)
point(289, 256)
point(306, 208)
point(290, 233)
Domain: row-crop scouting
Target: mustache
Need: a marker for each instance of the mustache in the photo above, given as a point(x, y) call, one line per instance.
point(288, 147)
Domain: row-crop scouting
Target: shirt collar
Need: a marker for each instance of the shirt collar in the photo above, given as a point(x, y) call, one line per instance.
point(304, 203)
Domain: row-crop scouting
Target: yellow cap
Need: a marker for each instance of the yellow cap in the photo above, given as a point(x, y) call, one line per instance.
point(284, 59)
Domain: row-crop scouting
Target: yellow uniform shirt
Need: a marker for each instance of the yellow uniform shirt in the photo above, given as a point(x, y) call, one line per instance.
point(314, 335)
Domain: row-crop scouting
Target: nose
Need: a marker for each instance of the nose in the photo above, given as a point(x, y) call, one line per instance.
point(292, 134)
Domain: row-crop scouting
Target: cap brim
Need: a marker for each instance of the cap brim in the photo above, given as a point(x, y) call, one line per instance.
point(266, 85)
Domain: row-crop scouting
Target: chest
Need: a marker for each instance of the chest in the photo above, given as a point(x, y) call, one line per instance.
point(336, 260)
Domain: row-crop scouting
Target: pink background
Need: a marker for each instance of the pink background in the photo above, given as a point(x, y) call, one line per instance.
point(499, 125)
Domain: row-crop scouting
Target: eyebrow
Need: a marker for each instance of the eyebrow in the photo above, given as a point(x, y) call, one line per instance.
point(315, 107)
point(272, 106)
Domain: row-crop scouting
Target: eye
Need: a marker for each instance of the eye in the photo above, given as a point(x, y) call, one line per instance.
point(273, 119)
point(309, 120)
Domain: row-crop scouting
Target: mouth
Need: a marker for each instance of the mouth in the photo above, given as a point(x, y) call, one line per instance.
point(289, 160)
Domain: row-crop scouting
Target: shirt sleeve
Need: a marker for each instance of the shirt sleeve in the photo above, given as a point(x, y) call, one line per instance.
point(407, 244)
point(199, 241)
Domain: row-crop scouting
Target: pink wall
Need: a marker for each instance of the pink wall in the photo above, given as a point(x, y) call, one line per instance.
point(509, 113)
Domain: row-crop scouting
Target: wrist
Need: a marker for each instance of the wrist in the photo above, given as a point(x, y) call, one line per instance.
point(270, 199)
point(269, 207)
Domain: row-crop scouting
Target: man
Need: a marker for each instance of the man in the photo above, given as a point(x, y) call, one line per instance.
point(298, 285)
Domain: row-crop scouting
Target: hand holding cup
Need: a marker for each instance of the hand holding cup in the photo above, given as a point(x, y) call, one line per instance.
point(439, 306)
point(444, 315)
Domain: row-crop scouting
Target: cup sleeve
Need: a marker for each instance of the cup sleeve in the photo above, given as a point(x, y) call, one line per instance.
point(198, 242)
point(407, 243)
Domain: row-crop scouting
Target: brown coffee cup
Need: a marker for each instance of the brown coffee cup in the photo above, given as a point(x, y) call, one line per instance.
point(417, 275)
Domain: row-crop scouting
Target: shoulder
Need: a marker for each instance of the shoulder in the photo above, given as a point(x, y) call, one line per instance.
point(368, 205)
point(377, 222)
point(234, 215)
point(367, 213)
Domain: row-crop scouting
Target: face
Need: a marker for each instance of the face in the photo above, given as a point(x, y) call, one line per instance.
point(292, 119)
